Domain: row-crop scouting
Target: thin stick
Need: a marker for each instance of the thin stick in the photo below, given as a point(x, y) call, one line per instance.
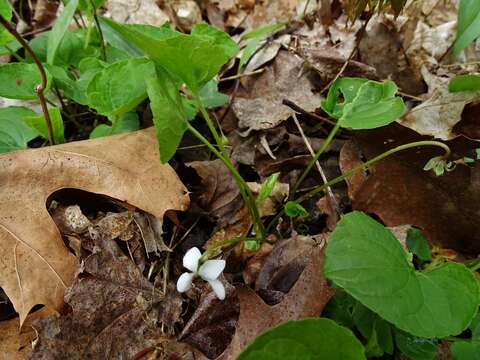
point(233, 77)
point(330, 194)
point(41, 87)
point(302, 111)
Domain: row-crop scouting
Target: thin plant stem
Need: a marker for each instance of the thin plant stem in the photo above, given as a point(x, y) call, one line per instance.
point(14, 54)
point(41, 87)
point(362, 166)
point(100, 32)
point(314, 159)
point(245, 191)
point(210, 124)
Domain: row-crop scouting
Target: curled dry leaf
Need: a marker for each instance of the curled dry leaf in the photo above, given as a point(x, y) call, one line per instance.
point(115, 311)
point(36, 267)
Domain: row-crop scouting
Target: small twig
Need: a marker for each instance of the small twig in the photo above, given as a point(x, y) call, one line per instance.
point(142, 353)
point(233, 77)
point(360, 35)
point(298, 109)
point(410, 96)
point(41, 87)
point(329, 191)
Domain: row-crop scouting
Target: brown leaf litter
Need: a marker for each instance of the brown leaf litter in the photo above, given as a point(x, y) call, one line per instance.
point(116, 311)
point(36, 265)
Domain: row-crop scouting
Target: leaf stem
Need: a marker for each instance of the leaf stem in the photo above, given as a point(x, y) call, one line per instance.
point(210, 123)
point(100, 32)
point(362, 166)
point(245, 191)
point(43, 84)
point(312, 162)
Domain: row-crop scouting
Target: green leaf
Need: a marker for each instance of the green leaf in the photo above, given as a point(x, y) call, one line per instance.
point(168, 113)
point(418, 245)
point(468, 24)
point(366, 104)
point(294, 209)
point(475, 328)
point(9, 47)
point(6, 12)
point(58, 31)
point(340, 309)
point(14, 132)
point(267, 188)
point(434, 303)
point(120, 87)
point(466, 350)
point(211, 97)
point(63, 80)
point(464, 83)
point(416, 348)
point(125, 123)
point(19, 81)
point(39, 124)
point(305, 339)
point(248, 52)
point(194, 58)
point(88, 67)
point(373, 328)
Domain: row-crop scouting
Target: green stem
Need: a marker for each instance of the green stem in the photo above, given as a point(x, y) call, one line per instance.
point(242, 185)
point(362, 166)
point(218, 245)
point(210, 124)
point(312, 162)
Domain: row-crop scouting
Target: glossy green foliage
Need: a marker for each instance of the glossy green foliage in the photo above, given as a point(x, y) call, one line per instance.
point(194, 58)
point(169, 116)
point(124, 123)
point(120, 87)
point(267, 188)
point(418, 244)
point(414, 347)
point(468, 24)
point(365, 259)
point(464, 83)
point(359, 103)
point(15, 133)
point(294, 209)
point(38, 123)
point(308, 339)
point(19, 81)
point(59, 29)
point(6, 12)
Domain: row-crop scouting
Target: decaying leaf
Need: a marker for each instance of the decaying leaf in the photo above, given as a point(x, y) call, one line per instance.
point(36, 267)
point(442, 111)
point(260, 107)
point(115, 311)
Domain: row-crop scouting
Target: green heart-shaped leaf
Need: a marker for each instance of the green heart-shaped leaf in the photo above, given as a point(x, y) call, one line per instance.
point(364, 258)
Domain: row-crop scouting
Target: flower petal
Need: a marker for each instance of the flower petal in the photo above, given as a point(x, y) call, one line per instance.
point(211, 269)
point(218, 288)
point(191, 258)
point(184, 282)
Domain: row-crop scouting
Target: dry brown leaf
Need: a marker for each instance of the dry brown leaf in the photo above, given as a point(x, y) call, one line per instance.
point(260, 107)
point(115, 311)
point(15, 343)
point(36, 267)
point(442, 111)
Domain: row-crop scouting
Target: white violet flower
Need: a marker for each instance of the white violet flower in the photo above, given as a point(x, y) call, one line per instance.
point(209, 271)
